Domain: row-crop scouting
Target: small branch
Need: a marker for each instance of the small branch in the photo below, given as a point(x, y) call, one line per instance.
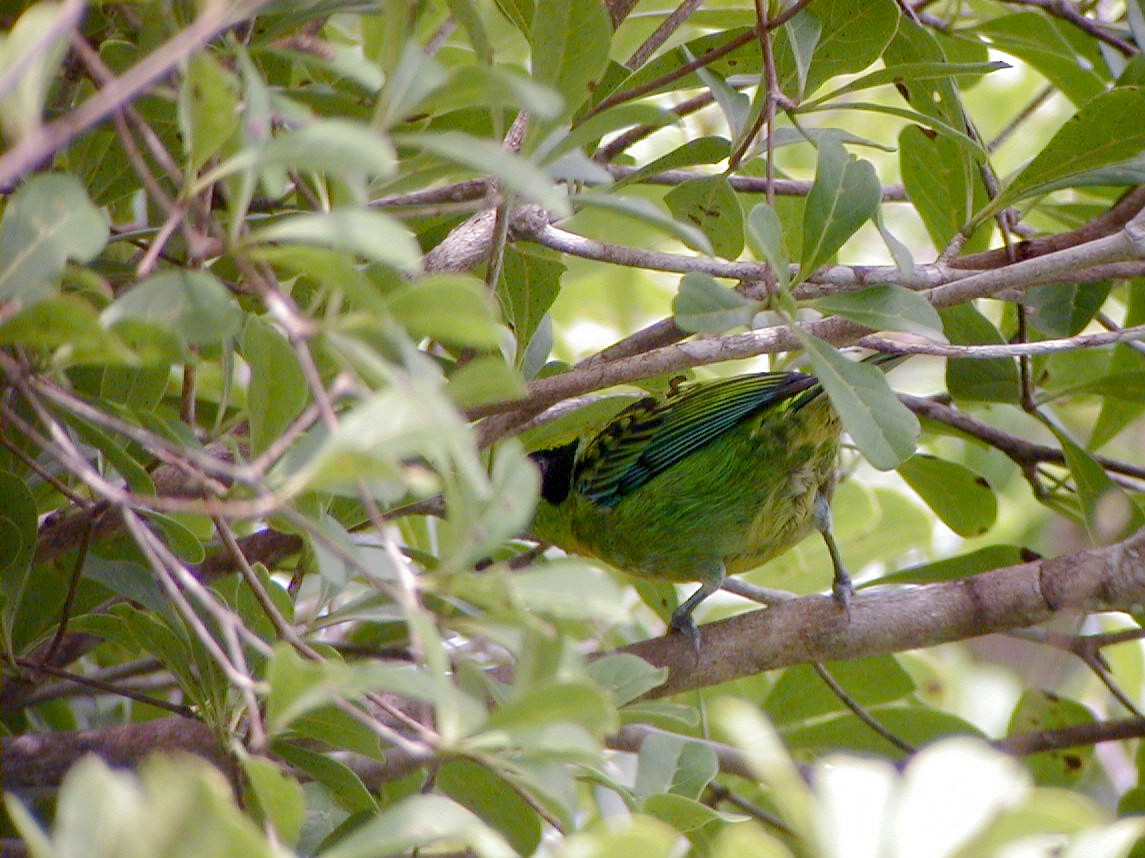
point(1066, 11)
point(662, 33)
point(1010, 350)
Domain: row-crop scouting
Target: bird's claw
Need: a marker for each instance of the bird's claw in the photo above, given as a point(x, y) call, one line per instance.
point(843, 591)
point(683, 623)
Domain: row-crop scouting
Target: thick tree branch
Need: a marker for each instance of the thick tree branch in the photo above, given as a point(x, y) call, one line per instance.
point(814, 629)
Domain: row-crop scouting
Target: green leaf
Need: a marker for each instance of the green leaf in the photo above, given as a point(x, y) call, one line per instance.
point(913, 72)
point(702, 150)
point(961, 498)
point(886, 308)
point(851, 35)
point(982, 560)
point(1064, 55)
point(277, 391)
point(18, 535)
point(765, 238)
point(801, 696)
point(494, 800)
point(881, 426)
point(625, 676)
point(570, 41)
point(647, 212)
point(943, 182)
point(338, 778)
point(673, 764)
point(208, 108)
point(845, 194)
point(1041, 710)
point(1110, 513)
point(989, 380)
point(31, 52)
point(556, 702)
point(47, 221)
point(466, 14)
point(702, 305)
point(483, 380)
point(417, 822)
point(488, 158)
point(67, 325)
point(472, 320)
point(530, 282)
point(570, 589)
point(711, 205)
point(1103, 132)
point(191, 305)
point(1064, 309)
point(278, 796)
point(333, 146)
point(369, 234)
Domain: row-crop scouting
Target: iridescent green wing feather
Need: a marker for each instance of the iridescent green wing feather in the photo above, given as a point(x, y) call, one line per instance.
point(649, 437)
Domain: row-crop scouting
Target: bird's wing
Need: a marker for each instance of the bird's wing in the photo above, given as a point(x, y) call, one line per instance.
point(649, 437)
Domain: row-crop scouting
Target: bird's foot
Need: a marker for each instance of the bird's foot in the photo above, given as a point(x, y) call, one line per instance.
point(683, 623)
point(843, 591)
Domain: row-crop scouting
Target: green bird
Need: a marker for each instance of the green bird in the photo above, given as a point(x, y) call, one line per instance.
point(713, 479)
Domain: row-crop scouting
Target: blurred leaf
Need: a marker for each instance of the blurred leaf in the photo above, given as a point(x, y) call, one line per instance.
point(277, 391)
point(494, 800)
point(647, 212)
point(472, 320)
point(333, 146)
point(338, 778)
point(703, 305)
point(845, 194)
point(278, 796)
point(191, 305)
point(162, 810)
point(673, 764)
point(625, 676)
point(886, 308)
point(32, 50)
point(18, 535)
point(208, 107)
point(485, 380)
point(702, 150)
point(47, 221)
point(369, 234)
point(488, 158)
point(961, 498)
point(801, 696)
point(884, 430)
point(67, 325)
point(711, 205)
point(982, 560)
point(417, 822)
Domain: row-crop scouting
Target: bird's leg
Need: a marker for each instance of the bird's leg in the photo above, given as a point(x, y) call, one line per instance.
point(682, 620)
point(841, 587)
